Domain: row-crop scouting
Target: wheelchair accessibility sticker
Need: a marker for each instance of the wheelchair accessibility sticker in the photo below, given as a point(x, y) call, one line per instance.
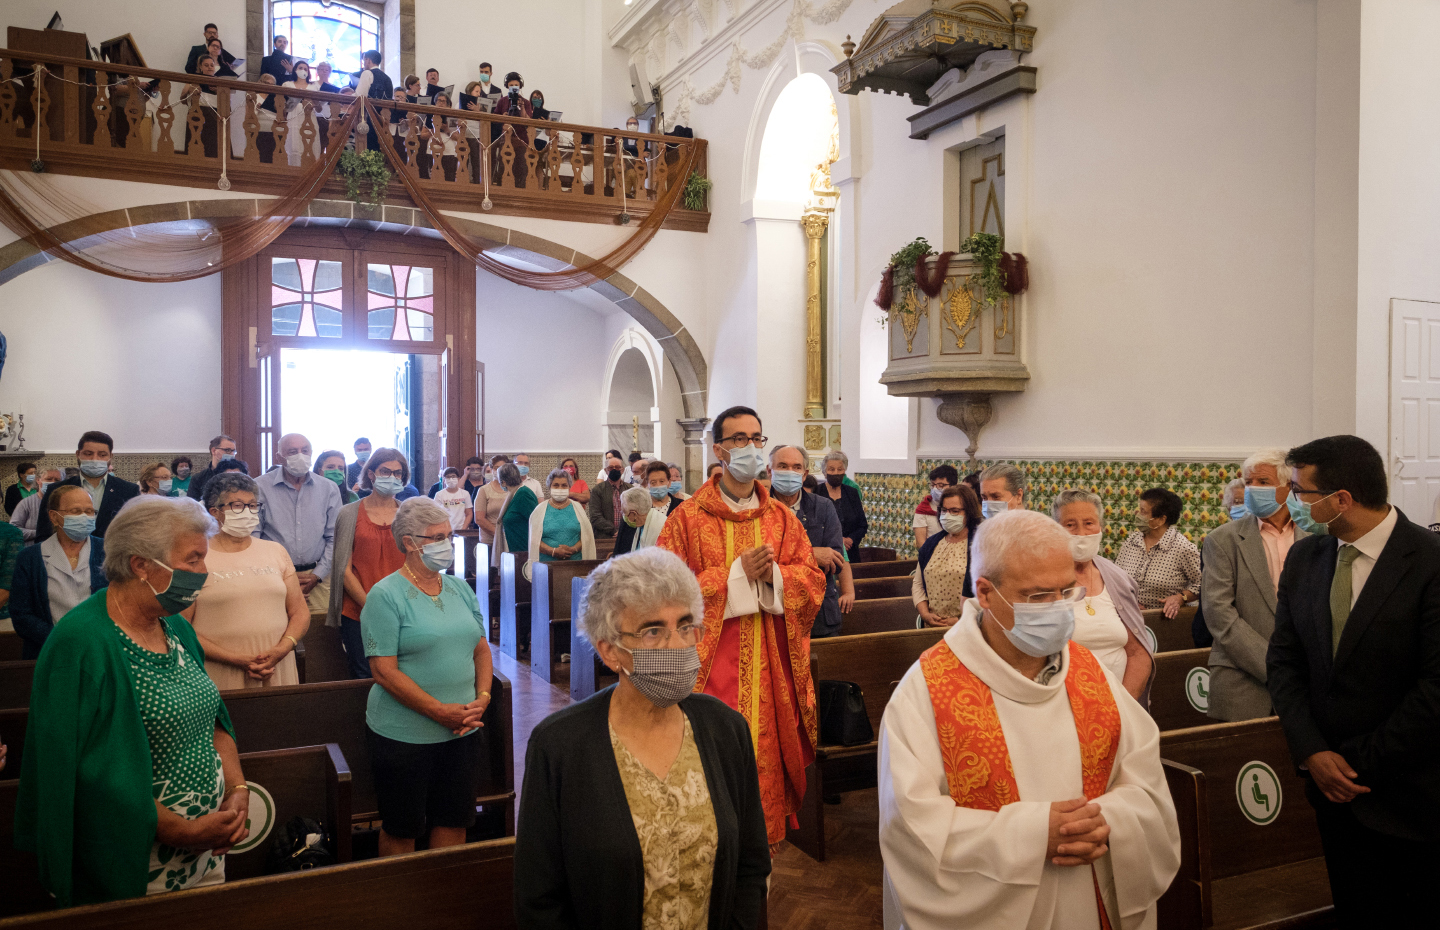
point(1197, 689)
point(1258, 791)
point(260, 821)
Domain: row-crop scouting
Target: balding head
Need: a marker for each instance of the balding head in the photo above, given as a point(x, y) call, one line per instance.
point(292, 444)
point(1009, 545)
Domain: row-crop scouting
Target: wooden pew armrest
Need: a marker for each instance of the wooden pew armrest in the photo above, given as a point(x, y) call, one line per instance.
point(338, 797)
point(1186, 904)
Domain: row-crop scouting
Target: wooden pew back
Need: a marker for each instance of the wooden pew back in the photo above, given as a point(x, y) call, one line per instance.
point(859, 570)
point(877, 554)
point(514, 601)
point(15, 681)
point(20, 888)
point(308, 781)
point(875, 661)
point(879, 615)
point(11, 646)
point(13, 722)
point(1179, 696)
point(867, 589)
point(468, 886)
point(587, 673)
point(550, 611)
point(325, 658)
point(1171, 635)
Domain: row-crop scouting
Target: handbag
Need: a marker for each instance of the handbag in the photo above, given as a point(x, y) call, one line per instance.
point(843, 720)
point(300, 846)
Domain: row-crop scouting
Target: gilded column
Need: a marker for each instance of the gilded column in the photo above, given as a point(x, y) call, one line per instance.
point(815, 224)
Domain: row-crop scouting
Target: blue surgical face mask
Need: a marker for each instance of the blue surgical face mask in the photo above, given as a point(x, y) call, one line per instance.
point(30, 478)
point(388, 486)
point(438, 555)
point(746, 463)
point(934, 495)
point(79, 527)
point(1238, 511)
point(1300, 513)
point(660, 492)
point(165, 484)
point(786, 483)
point(1040, 629)
point(362, 457)
point(1261, 501)
point(524, 470)
point(94, 468)
point(992, 509)
point(184, 587)
point(675, 487)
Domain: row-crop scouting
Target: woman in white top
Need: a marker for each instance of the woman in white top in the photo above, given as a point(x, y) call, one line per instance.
point(444, 127)
point(1107, 619)
point(295, 115)
point(559, 528)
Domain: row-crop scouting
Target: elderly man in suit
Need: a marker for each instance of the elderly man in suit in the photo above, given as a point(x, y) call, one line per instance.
point(1243, 560)
point(1354, 673)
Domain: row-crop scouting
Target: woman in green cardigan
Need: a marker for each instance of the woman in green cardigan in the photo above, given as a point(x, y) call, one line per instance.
point(131, 782)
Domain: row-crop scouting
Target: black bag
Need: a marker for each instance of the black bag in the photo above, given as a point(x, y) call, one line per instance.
point(291, 851)
point(843, 721)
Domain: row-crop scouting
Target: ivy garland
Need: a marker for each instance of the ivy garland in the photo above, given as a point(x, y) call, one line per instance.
point(987, 249)
point(696, 187)
point(367, 168)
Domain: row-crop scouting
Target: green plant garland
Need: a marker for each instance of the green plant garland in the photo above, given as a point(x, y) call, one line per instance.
point(366, 167)
point(904, 261)
point(987, 249)
point(696, 187)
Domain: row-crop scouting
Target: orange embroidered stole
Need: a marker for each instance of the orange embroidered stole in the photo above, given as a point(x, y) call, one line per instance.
point(972, 743)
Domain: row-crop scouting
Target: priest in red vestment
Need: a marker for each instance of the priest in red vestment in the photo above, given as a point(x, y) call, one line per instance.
point(762, 588)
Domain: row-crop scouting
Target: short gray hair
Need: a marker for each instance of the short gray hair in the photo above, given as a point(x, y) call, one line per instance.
point(509, 476)
point(636, 498)
point(1013, 537)
point(838, 456)
point(776, 450)
point(1014, 477)
point(1235, 491)
point(1275, 457)
point(147, 527)
point(558, 473)
point(227, 482)
point(1078, 496)
point(642, 582)
point(414, 517)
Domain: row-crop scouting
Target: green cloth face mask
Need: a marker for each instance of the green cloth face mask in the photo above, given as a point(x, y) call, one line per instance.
point(335, 475)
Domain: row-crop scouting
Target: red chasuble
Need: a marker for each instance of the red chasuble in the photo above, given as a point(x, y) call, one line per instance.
point(758, 664)
point(972, 742)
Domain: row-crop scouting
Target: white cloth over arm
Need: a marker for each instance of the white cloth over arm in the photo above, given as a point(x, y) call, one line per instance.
point(948, 866)
point(745, 597)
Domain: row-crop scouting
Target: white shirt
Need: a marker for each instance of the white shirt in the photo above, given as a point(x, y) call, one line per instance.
point(1370, 546)
point(743, 596)
point(1103, 632)
point(67, 586)
point(455, 502)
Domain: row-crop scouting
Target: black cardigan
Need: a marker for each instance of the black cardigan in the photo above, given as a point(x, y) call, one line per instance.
point(577, 855)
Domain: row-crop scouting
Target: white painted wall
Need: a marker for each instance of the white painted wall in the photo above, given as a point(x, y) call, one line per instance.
point(138, 361)
point(164, 30)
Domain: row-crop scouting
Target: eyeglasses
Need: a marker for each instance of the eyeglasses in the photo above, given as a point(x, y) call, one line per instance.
point(1299, 491)
point(1048, 597)
point(738, 440)
point(224, 451)
point(959, 512)
point(238, 507)
point(389, 473)
point(87, 512)
point(657, 637)
point(433, 538)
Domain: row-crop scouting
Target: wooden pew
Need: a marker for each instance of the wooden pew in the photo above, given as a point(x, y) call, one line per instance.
point(876, 662)
point(879, 615)
point(1171, 635)
point(311, 781)
point(587, 673)
point(469, 887)
point(1237, 871)
point(11, 646)
point(859, 570)
point(13, 722)
point(868, 589)
point(514, 602)
point(334, 712)
point(877, 554)
point(1177, 700)
point(550, 612)
point(324, 658)
point(15, 680)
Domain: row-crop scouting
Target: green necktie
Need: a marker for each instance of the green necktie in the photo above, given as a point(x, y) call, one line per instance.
point(1340, 588)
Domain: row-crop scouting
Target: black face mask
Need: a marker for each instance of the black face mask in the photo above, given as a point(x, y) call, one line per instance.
point(613, 474)
point(834, 480)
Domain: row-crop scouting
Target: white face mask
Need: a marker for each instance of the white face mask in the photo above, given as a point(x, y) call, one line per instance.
point(452, 483)
point(952, 522)
point(297, 465)
point(1084, 548)
point(240, 524)
point(559, 495)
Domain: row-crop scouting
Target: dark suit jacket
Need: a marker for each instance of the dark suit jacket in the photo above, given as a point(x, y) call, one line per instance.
point(274, 64)
point(117, 492)
point(851, 511)
point(578, 862)
point(1377, 703)
point(196, 51)
point(601, 509)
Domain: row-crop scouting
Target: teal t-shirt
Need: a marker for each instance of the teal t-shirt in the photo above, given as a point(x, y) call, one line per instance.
point(562, 528)
point(434, 639)
point(179, 487)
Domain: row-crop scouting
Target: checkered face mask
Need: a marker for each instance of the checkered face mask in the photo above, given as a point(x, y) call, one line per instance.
point(665, 676)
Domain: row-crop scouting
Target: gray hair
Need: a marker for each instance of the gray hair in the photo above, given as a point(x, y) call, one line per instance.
point(147, 527)
point(635, 498)
point(509, 475)
point(1007, 540)
point(1078, 496)
point(1234, 491)
point(1014, 477)
point(557, 473)
point(642, 583)
point(1275, 457)
point(776, 450)
point(838, 456)
point(414, 517)
point(227, 482)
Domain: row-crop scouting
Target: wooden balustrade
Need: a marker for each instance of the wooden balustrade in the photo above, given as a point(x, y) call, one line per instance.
point(117, 121)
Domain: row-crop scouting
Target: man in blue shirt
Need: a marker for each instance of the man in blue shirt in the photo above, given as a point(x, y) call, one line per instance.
point(298, 510)
point(788, 467)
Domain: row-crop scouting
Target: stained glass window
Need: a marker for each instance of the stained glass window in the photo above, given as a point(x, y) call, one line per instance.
point(305, 297)
point(401, 303)
point(330, 32)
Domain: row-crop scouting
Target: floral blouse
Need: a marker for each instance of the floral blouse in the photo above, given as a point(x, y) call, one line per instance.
point(678, 837)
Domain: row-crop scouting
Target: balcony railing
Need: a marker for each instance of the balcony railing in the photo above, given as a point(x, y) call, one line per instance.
point(99, 119)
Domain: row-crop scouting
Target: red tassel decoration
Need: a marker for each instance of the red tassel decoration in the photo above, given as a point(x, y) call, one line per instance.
point(1017, 272)
point(931, 284)
point(887, 289)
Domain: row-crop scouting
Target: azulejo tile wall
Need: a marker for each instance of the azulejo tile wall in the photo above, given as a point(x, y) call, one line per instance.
point(890, 500)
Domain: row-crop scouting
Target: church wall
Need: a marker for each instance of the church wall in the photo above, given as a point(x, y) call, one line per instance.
point(164, 30)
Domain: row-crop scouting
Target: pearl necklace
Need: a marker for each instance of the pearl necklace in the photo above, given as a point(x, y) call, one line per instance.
point(416, 581)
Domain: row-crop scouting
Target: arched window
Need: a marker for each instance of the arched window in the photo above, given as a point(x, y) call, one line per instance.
point(325, 31)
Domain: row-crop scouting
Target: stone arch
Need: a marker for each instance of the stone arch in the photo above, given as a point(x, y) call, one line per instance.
point(652, 316)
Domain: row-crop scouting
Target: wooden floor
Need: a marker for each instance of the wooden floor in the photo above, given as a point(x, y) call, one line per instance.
point(841, 893)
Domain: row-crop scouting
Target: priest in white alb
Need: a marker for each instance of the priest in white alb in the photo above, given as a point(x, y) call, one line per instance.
point(1020, 784)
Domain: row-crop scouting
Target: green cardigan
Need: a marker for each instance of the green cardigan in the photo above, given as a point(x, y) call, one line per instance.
point(86, 807)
